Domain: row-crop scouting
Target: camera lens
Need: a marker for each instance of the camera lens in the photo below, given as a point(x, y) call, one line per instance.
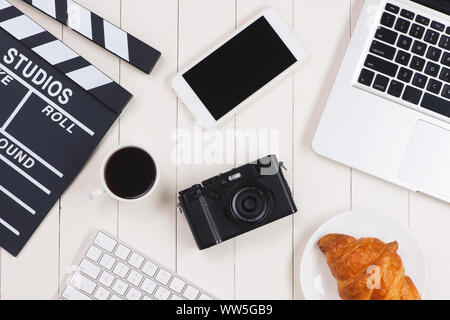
point(250, 204)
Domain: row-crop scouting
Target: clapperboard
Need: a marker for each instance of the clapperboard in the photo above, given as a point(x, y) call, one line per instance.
point(55, 109)
point(100, 31)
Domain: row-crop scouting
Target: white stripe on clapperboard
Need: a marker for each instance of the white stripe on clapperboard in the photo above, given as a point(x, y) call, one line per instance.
point(34, 155)
point(17, 200)
point(21, 27)
point(51, 103)
point(55, 52)
point(9, 227)
point(24, 174)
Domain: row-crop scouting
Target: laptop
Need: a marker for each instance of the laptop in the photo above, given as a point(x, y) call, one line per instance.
point(389, 110)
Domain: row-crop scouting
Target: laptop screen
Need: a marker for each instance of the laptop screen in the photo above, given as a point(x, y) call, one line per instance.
point(440, 5)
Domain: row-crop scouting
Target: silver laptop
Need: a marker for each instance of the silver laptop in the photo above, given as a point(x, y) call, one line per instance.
point(389, 111)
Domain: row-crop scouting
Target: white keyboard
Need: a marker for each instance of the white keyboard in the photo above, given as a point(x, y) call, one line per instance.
point(112, 270)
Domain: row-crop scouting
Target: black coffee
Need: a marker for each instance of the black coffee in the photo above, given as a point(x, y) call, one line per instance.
point(130, 173)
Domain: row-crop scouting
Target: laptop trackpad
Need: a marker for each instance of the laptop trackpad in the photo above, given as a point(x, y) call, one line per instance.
point(427, 161)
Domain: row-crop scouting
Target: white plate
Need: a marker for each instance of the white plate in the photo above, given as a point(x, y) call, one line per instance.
point(316, 279)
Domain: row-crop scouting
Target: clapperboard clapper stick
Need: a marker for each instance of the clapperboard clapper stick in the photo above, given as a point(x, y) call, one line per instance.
point(100, 31)
point(55, 109)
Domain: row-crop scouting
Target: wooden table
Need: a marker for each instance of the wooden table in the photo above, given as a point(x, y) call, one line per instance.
point(263, 264)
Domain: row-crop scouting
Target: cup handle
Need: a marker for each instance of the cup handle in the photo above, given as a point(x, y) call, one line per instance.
point(97, 193)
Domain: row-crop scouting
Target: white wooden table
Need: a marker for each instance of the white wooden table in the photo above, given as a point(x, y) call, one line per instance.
point(263, 264)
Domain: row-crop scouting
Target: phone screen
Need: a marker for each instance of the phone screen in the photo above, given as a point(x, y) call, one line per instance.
point(239, 68)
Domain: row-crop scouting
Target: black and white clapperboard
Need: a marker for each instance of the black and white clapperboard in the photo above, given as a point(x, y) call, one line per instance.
point(55, 109)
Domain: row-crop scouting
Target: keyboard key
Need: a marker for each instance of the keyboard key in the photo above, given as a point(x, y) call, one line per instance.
point(402, 25)
point(162, 294)
point(396, 88)
point(436, 104)
point(388, 20)
point(147, 298)
point(105, 242)
point(120, 287)
point(432, 69)
point(148, 286)
point(434, 86)
point(445, 42)
point(122, 252)
point(431, 36)
point(448, 30)
point(422, 20)
point(446, 91)
point(101, 294)
point(420, 80)
point(106, 279)
point(405, 75)
point(70, 293)
point(386, 35)
point(412, 95)
point(417, 63)
point(404, 42)
point(163, 276)
point(121, 269)
point(177, 285)
point(381, 65)
point(403, 57)
point(190, 293)
point(383, 50)
point(149, 268)
point(83, 283)
point(90, 269)
point(107, 261)
point(392, 8)
point(381, 83)
point(417, 31)
point(176, 297)
point(438, 26)
point(446, 59)
point(115, 297)
point(445, 75)
point(434, 53)
point(419, 48)
point(94, 253)
point(133, 294)
point(136, 260)
point(407, 14)
point(135, 278)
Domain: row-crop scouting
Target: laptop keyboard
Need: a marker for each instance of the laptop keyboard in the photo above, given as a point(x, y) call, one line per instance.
point(409, 61)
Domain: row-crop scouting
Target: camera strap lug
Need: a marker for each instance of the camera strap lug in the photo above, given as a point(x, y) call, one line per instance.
point(283, 166)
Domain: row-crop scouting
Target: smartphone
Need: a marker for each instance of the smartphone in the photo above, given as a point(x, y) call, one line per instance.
point(239, 69)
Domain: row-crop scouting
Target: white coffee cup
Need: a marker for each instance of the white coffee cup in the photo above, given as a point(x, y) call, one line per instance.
point(105, 189)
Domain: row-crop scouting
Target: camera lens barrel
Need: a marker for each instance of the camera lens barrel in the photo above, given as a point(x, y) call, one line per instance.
point(250, 204)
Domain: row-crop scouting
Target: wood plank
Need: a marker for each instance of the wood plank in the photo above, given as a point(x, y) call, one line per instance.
point(321, 187)
point(268, 250)
point(150, 120)
point(369, 192)
point(202, 24)
point(429, 221)
point(80, 216)
point(29, 270)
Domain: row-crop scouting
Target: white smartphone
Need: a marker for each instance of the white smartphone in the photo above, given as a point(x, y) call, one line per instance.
point(239, 69)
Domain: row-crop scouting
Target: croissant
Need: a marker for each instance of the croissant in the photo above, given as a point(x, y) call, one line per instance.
point(367, 269)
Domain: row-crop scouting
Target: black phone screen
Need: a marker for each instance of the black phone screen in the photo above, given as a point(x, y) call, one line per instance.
point(239, 68)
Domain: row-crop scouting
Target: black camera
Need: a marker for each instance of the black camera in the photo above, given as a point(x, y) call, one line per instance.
point(236, 202)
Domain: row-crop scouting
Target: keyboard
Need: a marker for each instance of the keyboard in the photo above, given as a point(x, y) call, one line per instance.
point(112, 270)
point(408, 61)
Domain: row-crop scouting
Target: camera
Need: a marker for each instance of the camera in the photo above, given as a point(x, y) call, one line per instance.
point(237, 202)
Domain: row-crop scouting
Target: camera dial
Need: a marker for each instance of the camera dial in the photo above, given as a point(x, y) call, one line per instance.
point(250, 204)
